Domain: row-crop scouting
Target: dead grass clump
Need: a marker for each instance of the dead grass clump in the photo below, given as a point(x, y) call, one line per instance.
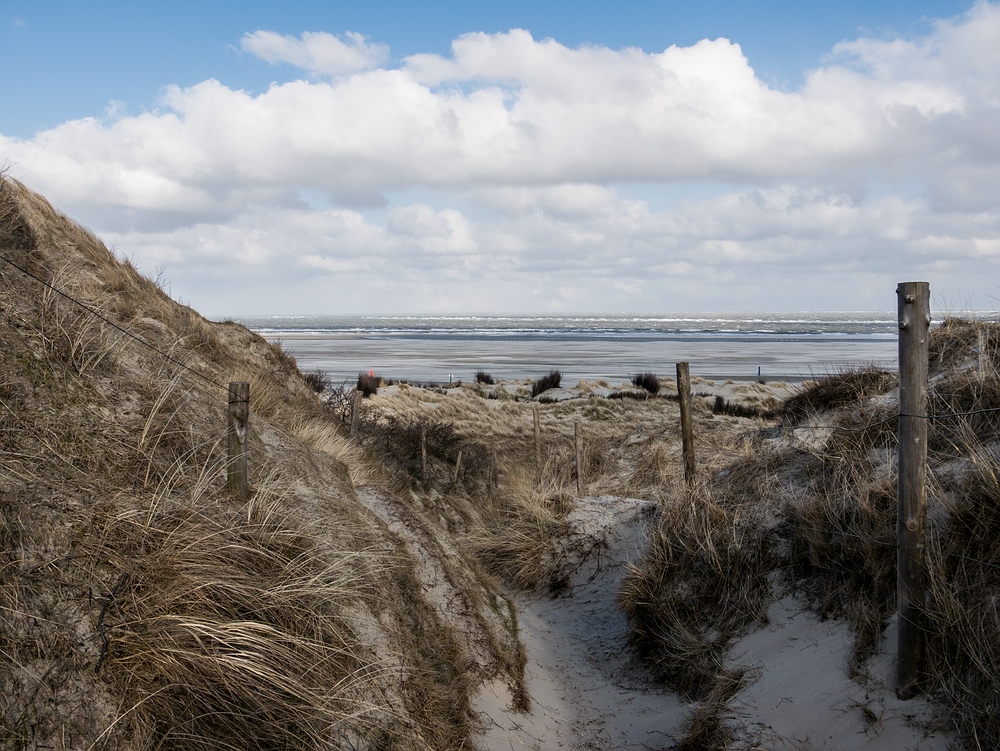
point(839, 390)
point(702, 582)
point(546, 382)
point(485, 378)
point(960, 341)
point(234, 624)
point(368, 384)
point(705, 727)
point(963, 616)
point(520, 526)
point(647, 381)
point(656, 466)
point(842, 554)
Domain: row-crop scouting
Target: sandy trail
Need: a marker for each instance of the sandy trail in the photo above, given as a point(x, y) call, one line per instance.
point(587, 690)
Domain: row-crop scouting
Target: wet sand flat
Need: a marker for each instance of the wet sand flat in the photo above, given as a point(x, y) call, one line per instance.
point(431, 359)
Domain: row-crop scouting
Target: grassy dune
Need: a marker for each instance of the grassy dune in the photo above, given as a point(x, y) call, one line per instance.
point(358, 599)
point(142, 605)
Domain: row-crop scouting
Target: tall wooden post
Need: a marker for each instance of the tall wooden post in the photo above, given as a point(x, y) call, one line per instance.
point(581, 482)
point(687, 434)
point(236, 439)
point(355, 412)
point(914, 326)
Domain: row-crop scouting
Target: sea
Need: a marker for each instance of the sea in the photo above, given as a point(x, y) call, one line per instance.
point(778, 346)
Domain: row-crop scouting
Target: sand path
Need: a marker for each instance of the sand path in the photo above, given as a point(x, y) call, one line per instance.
point(587, 690)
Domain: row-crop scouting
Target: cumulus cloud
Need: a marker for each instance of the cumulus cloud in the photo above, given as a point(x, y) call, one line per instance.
point(318, 53)
point(537, 165)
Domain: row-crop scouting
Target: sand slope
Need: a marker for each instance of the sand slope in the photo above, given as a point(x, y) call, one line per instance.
point(802, 696)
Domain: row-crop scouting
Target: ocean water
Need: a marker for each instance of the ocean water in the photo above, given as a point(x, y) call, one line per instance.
point(426, 349)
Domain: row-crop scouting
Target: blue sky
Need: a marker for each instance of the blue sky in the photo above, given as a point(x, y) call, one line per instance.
point(518, 157)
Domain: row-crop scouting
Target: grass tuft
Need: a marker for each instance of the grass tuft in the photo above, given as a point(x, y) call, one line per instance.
point(546, 382)
point(368, 384)
point(648, 381)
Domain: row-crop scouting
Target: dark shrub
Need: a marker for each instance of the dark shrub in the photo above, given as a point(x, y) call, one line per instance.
point(483, 377)
point(725, 407)
point(647, 381)
point(546, 382)
point(368, 384)
point(401, 443)
point(317, 380)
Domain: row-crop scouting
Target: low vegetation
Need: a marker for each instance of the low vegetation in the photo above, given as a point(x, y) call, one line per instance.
point(648, 381)
point(144, 606)
point(368, 384)
point(546, 382)
point(810, 507)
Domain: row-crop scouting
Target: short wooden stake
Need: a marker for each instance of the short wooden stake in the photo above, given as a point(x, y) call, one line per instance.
point(355, 413)
point(236, 439)
point(911, 516)
point(458, 466)
point(581, 483)
point(687, 433)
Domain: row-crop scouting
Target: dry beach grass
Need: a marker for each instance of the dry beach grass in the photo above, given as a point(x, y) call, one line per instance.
point(364, 595)
point(142, 605)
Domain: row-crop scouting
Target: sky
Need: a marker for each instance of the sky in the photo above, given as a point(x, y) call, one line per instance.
point(456, 158)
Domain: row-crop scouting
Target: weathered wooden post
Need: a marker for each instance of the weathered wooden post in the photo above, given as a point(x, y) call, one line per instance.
point(236, 439)
point(581, 482)
point(687, 434)
point(458, 465)
point(913, 302)
point(355, 413)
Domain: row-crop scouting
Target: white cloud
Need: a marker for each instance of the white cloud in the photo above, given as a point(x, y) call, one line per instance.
point(884, 163)
point(318, 53)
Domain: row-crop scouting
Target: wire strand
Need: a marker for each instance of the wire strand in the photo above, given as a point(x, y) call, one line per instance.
point(114, 325)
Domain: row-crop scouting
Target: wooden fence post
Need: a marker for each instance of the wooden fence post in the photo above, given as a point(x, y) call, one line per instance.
point(914, 325)
point(581, 482)
point(458, 465)
point(687, 434)
point(355, 412)
point(236, 439)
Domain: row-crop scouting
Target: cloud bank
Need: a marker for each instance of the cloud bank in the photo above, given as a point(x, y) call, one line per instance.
point(519, 174)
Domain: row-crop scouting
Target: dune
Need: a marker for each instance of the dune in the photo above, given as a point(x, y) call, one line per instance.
point(449, 578)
